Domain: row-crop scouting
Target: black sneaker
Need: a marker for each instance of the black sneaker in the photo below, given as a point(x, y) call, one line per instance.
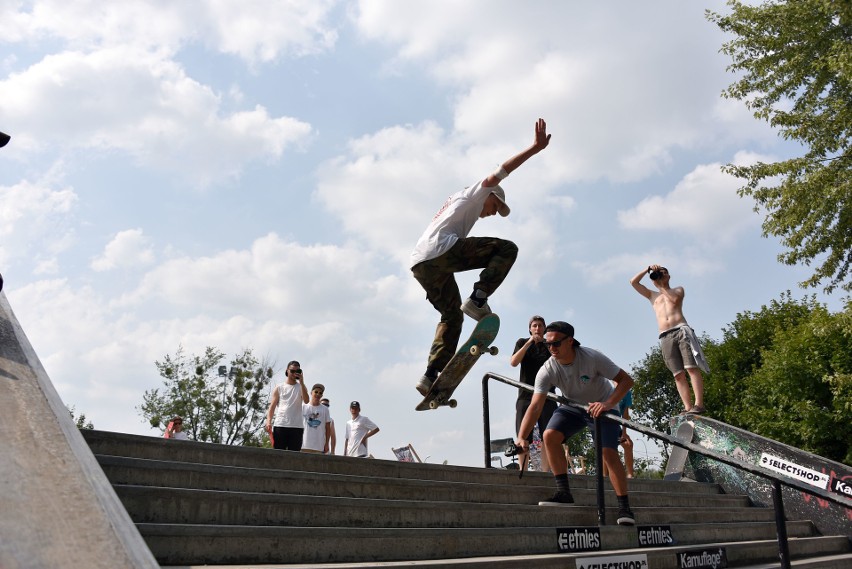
point(625, 517)
point(558, 499)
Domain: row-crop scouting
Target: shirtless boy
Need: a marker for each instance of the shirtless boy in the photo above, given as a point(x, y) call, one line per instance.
point(677, 340)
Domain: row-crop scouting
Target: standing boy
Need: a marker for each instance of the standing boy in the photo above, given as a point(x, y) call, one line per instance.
point(358, 429)
point(317, 423)
point(678, 343)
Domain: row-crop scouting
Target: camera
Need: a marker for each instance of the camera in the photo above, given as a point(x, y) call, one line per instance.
point(657, 274)
point(511, 450)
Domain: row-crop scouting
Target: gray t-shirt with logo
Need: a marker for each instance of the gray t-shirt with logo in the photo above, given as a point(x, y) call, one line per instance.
point(585, 380)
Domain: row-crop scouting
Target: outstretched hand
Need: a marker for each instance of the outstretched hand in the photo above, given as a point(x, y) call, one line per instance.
point(542, 139)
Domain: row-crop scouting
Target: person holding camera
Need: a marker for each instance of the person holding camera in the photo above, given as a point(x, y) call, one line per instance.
point(285, 405)
point(590, 378)
point(531, 353)
point(681, 350)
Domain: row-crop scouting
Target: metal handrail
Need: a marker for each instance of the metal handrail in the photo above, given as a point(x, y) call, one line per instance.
point(777, 481)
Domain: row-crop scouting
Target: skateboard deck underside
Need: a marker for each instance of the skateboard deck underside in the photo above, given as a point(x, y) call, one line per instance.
point(677, 459)
point(461, 363)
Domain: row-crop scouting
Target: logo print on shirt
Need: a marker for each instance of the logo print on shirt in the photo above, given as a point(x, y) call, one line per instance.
point(585, 379)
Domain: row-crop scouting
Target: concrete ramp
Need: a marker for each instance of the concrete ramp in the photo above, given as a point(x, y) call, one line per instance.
point(57, 508)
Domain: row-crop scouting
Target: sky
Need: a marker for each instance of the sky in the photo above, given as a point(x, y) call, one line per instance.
point(255, 174)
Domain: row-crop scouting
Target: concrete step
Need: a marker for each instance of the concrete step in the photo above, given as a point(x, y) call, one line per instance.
point(553, 561)
point(153, 448)
point(145, 472)
point(499, 547)
point(175, 505)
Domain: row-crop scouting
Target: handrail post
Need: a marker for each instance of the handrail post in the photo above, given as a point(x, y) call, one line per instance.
point(781, 525)
point(599, 473)
point(486, 420)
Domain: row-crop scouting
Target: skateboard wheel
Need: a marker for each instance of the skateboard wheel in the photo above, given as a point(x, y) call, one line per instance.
point(433, 404)
point(474, 350)
point(452, 403)
point(493, 350)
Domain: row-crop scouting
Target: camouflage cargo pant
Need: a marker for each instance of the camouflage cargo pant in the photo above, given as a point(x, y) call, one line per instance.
point(437, 277)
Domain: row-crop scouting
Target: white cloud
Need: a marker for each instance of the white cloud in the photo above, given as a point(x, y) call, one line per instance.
point(34, 220)
point(128, 249)
point(256, 30)
point(704, 204)
point(134, 101)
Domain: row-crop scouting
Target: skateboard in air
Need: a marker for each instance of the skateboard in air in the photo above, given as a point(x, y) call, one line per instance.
point(461, 363)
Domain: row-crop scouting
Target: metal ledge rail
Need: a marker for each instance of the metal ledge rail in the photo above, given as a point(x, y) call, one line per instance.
point(777, 482)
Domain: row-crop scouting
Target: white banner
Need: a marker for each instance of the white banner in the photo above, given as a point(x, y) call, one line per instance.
point(793, 470)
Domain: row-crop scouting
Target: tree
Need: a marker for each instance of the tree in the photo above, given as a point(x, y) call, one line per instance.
point(802, 392)
point(741, 353)
point(79, 420)
point(794, 60)
point(785, 372)
point(218, 404)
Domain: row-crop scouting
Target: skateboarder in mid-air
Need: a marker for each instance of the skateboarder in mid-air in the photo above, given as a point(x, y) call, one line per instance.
point(445, 249)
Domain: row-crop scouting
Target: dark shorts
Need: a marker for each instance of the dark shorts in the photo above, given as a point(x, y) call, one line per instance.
point(288, 438)
point(570, 421)
point(521, 406)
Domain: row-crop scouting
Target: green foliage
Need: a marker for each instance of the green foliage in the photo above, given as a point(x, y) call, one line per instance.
point(80, 420)
point(794, 63)
point(227, 409)
point(801, 393)
point(741, 353)
point(785, 372)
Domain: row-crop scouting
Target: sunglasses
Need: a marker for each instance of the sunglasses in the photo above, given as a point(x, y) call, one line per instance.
point(295, 371)
point(320, 391)
point(555, 344)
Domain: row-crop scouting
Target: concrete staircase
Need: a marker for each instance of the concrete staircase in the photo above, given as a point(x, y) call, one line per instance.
point(198, 503)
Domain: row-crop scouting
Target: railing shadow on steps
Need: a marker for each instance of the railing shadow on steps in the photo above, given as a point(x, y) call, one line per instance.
point(776, 481)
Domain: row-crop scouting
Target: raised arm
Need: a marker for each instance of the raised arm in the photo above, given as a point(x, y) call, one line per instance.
point(542, 139)
point(640, 288)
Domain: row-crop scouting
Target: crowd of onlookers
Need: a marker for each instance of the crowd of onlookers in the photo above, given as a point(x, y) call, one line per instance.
point(300, 420)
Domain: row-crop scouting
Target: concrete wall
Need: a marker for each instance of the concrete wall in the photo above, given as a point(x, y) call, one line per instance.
point(57, 508)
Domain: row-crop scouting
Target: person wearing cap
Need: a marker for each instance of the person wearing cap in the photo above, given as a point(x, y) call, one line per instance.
point(590, 378)
point(678, 343)
point(444, 249)
point(317, 422)
point(175, 429)
point(284, 418)
point(358, 429)
point(531, 353)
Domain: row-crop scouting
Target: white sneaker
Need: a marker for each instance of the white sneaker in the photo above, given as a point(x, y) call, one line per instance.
point(470, 308)
point(424, 385)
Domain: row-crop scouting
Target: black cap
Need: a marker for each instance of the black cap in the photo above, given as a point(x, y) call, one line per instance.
point(354, 404)
point(564, 327)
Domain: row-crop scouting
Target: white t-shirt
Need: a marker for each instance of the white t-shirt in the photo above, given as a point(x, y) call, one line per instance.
point(356, 430)
point(453, 221)
point(585, 380)
point(316, 423)
point(289, 411)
